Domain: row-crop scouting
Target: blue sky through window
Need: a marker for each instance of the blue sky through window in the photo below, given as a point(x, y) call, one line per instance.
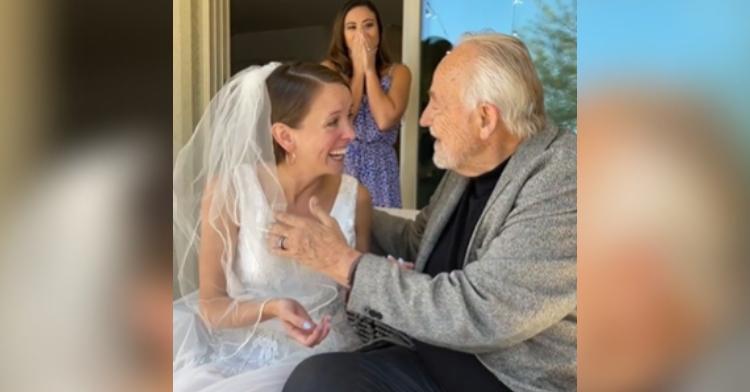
point(706, 43)
point(703, 43)
point(450, 19)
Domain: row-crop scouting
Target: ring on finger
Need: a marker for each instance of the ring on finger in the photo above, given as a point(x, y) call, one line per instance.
point(281, 242)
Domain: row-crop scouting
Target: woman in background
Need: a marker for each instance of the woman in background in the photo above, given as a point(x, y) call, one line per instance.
point(380, 90)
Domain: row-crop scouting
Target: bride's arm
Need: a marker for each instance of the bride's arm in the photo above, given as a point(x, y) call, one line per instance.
point(218, 310)
point(363, 220)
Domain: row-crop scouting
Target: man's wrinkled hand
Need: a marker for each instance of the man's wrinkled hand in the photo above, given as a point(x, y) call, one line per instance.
point(317, 243)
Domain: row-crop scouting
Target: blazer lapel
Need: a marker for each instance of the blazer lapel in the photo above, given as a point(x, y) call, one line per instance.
point(441, 213)
point(527, 151)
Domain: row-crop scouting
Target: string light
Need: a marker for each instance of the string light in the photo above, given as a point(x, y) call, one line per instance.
point(431, 14)
point(428, 12)
point(516, 3)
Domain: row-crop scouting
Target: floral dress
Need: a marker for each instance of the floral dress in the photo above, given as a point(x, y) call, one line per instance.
point(371, 157)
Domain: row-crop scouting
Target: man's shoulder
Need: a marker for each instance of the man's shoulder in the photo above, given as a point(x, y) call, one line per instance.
point(544, 168)
point(556, 152)
point(564, 151)
point(565, 144)
point(552, 173)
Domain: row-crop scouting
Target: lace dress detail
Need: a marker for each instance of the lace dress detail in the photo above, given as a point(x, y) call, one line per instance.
point(259, 276)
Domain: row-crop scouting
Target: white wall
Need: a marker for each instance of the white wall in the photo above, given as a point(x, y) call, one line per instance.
point(303, 44)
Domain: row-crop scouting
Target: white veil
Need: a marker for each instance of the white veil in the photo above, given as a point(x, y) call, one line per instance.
point(232, 140)
point(233, 136)
point(231, 153)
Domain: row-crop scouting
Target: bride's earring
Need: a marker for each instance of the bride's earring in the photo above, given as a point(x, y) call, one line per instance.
point(294, 158)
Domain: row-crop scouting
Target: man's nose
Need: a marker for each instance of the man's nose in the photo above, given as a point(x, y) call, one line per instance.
point(425, 120)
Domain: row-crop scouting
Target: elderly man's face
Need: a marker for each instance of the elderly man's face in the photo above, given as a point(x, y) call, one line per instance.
point(449, 121)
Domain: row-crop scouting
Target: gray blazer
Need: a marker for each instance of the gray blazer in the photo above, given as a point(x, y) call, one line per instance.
point(514, 303)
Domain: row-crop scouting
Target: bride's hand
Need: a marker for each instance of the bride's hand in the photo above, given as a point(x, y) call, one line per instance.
point(403, 264)
point(298, 324)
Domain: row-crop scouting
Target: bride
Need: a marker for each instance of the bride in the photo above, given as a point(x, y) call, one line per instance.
point(273, 138)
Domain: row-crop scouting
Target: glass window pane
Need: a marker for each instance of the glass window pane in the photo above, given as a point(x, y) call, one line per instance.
point(547, 27)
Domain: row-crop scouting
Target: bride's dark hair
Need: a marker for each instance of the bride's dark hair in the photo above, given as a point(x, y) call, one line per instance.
point(292, 88)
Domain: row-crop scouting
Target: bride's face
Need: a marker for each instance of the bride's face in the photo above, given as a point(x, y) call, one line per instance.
point(326, 131)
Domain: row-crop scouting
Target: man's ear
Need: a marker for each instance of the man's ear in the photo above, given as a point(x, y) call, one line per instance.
point(283, 136)
point(489, 118)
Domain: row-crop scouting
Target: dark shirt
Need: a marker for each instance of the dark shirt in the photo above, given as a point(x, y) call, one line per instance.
point(456, 371)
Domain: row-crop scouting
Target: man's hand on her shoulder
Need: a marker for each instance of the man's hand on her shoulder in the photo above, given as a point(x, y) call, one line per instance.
point(317, 243)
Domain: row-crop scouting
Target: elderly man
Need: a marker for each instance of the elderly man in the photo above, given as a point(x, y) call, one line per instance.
point(491, 303)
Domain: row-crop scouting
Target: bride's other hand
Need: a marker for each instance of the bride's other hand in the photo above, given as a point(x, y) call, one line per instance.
point(298, 324)
point(403, 264)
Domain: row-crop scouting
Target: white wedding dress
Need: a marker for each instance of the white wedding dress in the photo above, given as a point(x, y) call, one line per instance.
point(261, 360)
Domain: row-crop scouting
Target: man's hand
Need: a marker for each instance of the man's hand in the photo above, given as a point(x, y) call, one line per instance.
point(317, 243)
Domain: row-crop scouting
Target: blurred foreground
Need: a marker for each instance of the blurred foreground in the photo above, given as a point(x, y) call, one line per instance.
point(85, 218)
point(663, 242)
point(664, 146)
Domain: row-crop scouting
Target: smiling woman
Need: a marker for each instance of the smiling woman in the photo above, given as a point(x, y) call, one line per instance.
point(380, 91)
point(272, 139)
point(318, 92)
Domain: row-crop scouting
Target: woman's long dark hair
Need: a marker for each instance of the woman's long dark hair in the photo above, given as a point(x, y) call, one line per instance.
point(338, 53)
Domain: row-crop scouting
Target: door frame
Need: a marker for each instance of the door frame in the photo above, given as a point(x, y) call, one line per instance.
point(412, 57)
point(200, 61)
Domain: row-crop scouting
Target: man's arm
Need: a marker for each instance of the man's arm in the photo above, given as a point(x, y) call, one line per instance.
point(524, 282)
point(393, 235)
point(399, 237)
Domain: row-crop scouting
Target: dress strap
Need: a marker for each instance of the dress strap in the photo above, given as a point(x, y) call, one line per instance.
point(349, 188)
point(346, 201)
point(345, 207)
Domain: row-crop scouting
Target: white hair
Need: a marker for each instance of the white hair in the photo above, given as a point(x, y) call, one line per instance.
point(504, 76)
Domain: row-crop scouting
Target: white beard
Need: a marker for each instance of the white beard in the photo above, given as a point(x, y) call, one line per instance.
point(441, 159)
point(449, 161)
